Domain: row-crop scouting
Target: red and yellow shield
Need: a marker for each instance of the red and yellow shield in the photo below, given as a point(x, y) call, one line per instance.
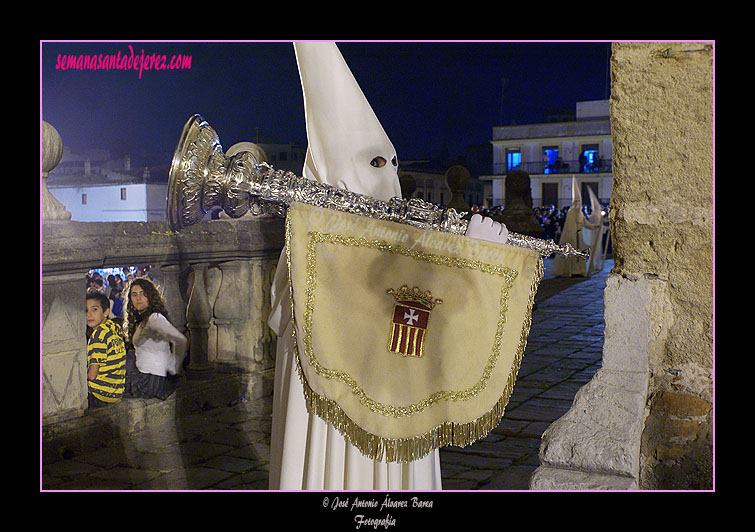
point(411, 314)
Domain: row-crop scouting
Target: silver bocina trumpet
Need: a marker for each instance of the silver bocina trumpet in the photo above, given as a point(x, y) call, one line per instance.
point(202, 177)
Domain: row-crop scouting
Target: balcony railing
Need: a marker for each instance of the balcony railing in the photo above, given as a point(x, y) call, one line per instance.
point(561, 167)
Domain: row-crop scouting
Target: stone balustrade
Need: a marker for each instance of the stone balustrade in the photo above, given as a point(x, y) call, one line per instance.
point(215, 278)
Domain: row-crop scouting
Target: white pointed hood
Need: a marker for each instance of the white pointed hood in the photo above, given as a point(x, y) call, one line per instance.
point(347, 146)
point(576, 197)
point(595, 216)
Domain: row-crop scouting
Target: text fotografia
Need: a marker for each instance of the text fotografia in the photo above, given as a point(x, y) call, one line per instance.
point(125, 61)
point(358, 505)
point(374, 522)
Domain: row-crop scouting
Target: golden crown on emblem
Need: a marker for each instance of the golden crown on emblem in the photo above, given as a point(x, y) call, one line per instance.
point(414, 294)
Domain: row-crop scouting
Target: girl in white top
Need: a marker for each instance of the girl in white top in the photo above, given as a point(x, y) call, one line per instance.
point(159, 347)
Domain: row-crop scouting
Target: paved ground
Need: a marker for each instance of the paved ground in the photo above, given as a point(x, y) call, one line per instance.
point(564, 350)
point(228, 448)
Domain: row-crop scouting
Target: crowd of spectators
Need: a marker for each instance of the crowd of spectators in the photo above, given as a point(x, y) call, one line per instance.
point(115, 287)
point(132, 349)
point(550, 218)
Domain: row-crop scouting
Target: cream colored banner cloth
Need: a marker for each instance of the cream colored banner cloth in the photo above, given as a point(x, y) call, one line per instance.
point(407, 339)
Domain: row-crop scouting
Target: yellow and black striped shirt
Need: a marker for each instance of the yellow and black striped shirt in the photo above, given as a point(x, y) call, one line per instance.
point(106, 349)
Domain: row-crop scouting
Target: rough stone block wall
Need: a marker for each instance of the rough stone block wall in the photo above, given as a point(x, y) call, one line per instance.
point(661, 215)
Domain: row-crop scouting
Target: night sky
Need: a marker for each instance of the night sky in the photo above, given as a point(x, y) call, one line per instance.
point(427, 95)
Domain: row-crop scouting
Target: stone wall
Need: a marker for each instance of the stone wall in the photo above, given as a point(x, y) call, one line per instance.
point(645, 420)
point(662, 223)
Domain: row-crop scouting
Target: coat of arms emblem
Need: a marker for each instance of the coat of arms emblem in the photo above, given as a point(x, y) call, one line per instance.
point(411, 314)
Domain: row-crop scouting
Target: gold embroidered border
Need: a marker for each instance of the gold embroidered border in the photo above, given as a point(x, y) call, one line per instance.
point(447, 433)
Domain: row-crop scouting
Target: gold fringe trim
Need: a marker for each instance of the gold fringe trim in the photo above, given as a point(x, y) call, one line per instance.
point(405, 450)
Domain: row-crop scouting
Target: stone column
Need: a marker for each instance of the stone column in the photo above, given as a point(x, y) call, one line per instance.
point(198, 316)
point(662, 227)
point(167, 276)
point(241, 311)
point(263, 274)
point(231, 309)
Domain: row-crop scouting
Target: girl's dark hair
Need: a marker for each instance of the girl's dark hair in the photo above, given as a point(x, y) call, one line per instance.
point(156, 305)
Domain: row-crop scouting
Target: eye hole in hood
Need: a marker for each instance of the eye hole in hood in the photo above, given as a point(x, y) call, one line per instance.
point(379, 162)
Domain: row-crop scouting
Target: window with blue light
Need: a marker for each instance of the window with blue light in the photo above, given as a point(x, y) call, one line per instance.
point(513, 159)
point(550, 157)
point(589, 160)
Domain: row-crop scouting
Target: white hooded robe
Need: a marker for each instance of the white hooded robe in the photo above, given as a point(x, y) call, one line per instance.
point(347, 148)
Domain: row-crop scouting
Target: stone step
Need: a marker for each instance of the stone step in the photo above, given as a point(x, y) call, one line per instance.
point(77, 432)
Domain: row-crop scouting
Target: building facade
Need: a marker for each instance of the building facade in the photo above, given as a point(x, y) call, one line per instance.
point(97, 188)
point(430, 184)
point(94, 187)
point(551, 153)
point(289, 156)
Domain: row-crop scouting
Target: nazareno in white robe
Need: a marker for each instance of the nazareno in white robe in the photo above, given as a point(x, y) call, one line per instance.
point(344, 137)
point(572, 234)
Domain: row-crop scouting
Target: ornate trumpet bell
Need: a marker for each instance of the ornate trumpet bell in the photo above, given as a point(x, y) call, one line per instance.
point(203, 177)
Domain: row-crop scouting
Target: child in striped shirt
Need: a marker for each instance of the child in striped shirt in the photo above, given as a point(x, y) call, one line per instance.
point(106, 353)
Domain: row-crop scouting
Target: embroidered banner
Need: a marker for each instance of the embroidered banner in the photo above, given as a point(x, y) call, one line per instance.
point(406, 339)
